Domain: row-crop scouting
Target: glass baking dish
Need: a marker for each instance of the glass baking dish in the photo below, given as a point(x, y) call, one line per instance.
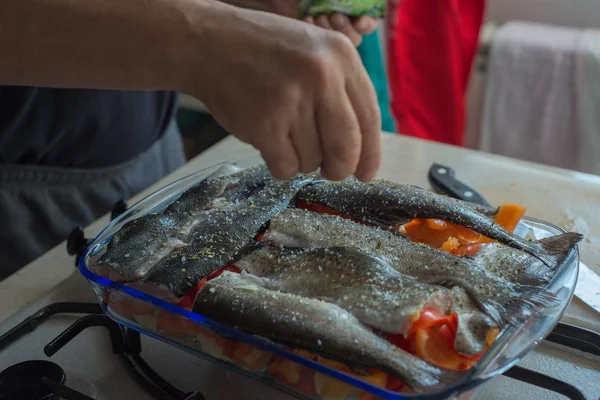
point(294, 372)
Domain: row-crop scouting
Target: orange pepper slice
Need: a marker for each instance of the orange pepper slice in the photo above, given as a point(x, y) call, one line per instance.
point(469, 249)
point(509, 216)
point(437, 224)
point(451, 244)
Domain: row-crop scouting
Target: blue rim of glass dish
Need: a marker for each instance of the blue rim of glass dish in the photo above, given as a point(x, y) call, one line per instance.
point(465, 383)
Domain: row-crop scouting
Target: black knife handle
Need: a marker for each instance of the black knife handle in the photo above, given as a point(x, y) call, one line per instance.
point(442, 180)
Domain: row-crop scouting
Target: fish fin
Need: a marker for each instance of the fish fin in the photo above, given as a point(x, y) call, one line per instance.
point(325, 299)
point(490, 212)
point(525, 301)
point(557, 248)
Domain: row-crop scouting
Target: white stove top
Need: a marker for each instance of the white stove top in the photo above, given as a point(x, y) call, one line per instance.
point(92, 369)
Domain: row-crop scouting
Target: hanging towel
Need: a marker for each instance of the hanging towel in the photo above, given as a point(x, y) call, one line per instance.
point(431, 46)
point(587, 88)
point(542, 96)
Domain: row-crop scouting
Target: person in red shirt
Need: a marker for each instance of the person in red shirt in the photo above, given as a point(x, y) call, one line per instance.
point(431, 46)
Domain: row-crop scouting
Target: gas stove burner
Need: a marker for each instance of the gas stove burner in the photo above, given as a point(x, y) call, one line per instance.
point(24, 381)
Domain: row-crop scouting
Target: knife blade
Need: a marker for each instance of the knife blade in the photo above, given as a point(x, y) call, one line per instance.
point(588, 287)
point(443, 181)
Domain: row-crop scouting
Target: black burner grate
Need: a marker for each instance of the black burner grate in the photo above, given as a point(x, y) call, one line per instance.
point(125, 343)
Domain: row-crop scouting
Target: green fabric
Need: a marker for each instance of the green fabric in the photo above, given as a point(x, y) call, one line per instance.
point(352, 8)
point(372, 57)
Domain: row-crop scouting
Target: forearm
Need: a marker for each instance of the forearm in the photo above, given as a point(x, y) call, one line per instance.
point(108, 44)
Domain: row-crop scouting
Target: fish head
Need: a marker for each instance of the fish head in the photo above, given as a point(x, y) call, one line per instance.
point(474, 329)
point(138, 246)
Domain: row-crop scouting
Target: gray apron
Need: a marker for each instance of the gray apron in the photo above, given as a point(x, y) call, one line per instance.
point(40, 206)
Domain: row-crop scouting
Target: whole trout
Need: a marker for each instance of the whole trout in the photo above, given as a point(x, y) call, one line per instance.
point(502, 300)
point(374, 292)
point(388, 204)
point(315, 325)
point(224, 233)
point(141, 243)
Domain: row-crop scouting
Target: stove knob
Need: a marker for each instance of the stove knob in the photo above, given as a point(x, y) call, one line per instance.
point(119, 208)
point(77, 243)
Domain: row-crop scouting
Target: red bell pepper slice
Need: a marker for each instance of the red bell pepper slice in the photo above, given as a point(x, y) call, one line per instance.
point(187, 301)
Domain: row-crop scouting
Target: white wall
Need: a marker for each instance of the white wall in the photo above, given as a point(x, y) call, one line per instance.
point(580, 13)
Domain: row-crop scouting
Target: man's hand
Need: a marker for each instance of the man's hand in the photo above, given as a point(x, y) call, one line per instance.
point(297, 93)
point(352, 28)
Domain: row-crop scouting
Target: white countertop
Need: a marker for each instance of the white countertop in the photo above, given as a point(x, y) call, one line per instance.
point(566, 198)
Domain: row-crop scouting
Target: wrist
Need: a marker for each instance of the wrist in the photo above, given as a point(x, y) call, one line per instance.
point(216, 36)
point(197, 41)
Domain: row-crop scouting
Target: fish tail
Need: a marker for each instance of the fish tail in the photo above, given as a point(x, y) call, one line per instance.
point(555, 249)
point(489, 212)
point(520, 305)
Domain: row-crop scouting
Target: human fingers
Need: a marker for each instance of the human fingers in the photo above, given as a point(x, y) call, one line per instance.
point(279, 154)
point(339, 133)
point(364, 102)
point(305, 138)
point(309, 20)
point(342, 24)
point(365, 25)
point(323, 22)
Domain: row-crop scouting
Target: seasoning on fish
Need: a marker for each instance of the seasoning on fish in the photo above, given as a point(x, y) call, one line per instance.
point(474, 327)
point(518, 266)
point(374, 292)
point(237, 301)
point(140, 244)
point(224, 234)
point(391, 204)
point(503, 301)
point(351, 289)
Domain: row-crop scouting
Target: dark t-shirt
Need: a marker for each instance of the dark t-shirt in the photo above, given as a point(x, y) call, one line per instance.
point(79, 127)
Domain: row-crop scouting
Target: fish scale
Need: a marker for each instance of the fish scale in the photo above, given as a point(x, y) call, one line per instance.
point(344, 276)
point(392, 204)
point(221, 237)
point(314, 325)
point(140, 244)
point(503, 301)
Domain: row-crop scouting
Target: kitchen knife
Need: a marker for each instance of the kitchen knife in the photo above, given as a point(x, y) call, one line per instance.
point(443, 180)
